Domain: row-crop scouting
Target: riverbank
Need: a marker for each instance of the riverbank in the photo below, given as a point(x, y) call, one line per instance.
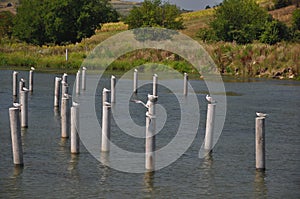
point(280, 61)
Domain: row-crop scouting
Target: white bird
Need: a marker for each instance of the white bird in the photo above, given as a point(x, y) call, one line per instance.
point(25, 89)
point(15, 72)
point(32, 68)
point(261, 114)
point(106, 90)
point(83, 68)
point(22, 80)
point(17, 105)
point(210, 99)
point(75, 103)
point(67, 95)
point(140, 102)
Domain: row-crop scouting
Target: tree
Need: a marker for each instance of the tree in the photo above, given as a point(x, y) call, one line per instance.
point(6, 23)
point(154, 13)
point(275, 31)
point(60, 21)
point(296, 19)
point(240, 21)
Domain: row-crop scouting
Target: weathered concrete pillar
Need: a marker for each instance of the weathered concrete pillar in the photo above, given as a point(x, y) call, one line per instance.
point(150, 133)
point(75, 128)
point(210, 120)
point(155, 77)
point(113, 89)
point(65, 115)
point(83, 78)
point(57, 91)
point(15, 129)
point(260, 143)
point(31, 79)
point(78, 82)
point(185, 84)
point(15, 83)
point(106, 121)
point(135, 80)
point(24, 108)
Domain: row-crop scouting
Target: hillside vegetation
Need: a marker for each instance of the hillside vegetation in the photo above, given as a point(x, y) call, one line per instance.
point(251, 60)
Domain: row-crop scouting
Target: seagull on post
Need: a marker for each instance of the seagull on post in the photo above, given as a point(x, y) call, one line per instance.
point(17, 105)
point(261, 114)
point(140, 102)
point(32, 68)
point(210, 99)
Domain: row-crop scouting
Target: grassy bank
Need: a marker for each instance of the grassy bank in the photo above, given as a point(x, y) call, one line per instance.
point(254, 60)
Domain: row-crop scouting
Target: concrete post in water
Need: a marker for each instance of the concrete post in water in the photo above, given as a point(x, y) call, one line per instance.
point(57, 91)
point(83, 78)
point(150, 133)
point(24, 108)
point(64, 88)
point(135, 80)
point(112, 89)
point(15, 83)
point(31, 79)
point(210, 120)
point(15, 129)
point(106, 117)
point(155, 85)
point(260, 143)
point(78, 82)
point(21, 85)
point(65, 115)
point(75, 128)
point(185, 84)
point(65, 77)
point(67, 56)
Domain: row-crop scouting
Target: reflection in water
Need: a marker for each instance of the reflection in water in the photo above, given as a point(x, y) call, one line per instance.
point(56, 113)
point(104, 157)
point(207, 177)
point(260, 185)
point(18, 170)
point(208, 162)
point(63, 142)
point(148, 181)
point(73, 162)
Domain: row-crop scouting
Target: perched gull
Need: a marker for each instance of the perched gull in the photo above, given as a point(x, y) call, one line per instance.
point(67, 95)
point(210, 99)
point(83, 68)
point(140, 102)
point(32, 68)
point(22, 80)
point(17, 105)
point(261, 114)
point(75, 103)
point(15, 72)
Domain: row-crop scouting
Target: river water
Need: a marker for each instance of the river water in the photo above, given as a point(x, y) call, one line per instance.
point(50, 171)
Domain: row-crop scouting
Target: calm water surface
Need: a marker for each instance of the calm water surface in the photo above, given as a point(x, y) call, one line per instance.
point(50, 170)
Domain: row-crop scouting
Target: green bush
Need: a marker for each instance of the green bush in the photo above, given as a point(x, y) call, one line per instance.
point(240, 21)
point(275, 31)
